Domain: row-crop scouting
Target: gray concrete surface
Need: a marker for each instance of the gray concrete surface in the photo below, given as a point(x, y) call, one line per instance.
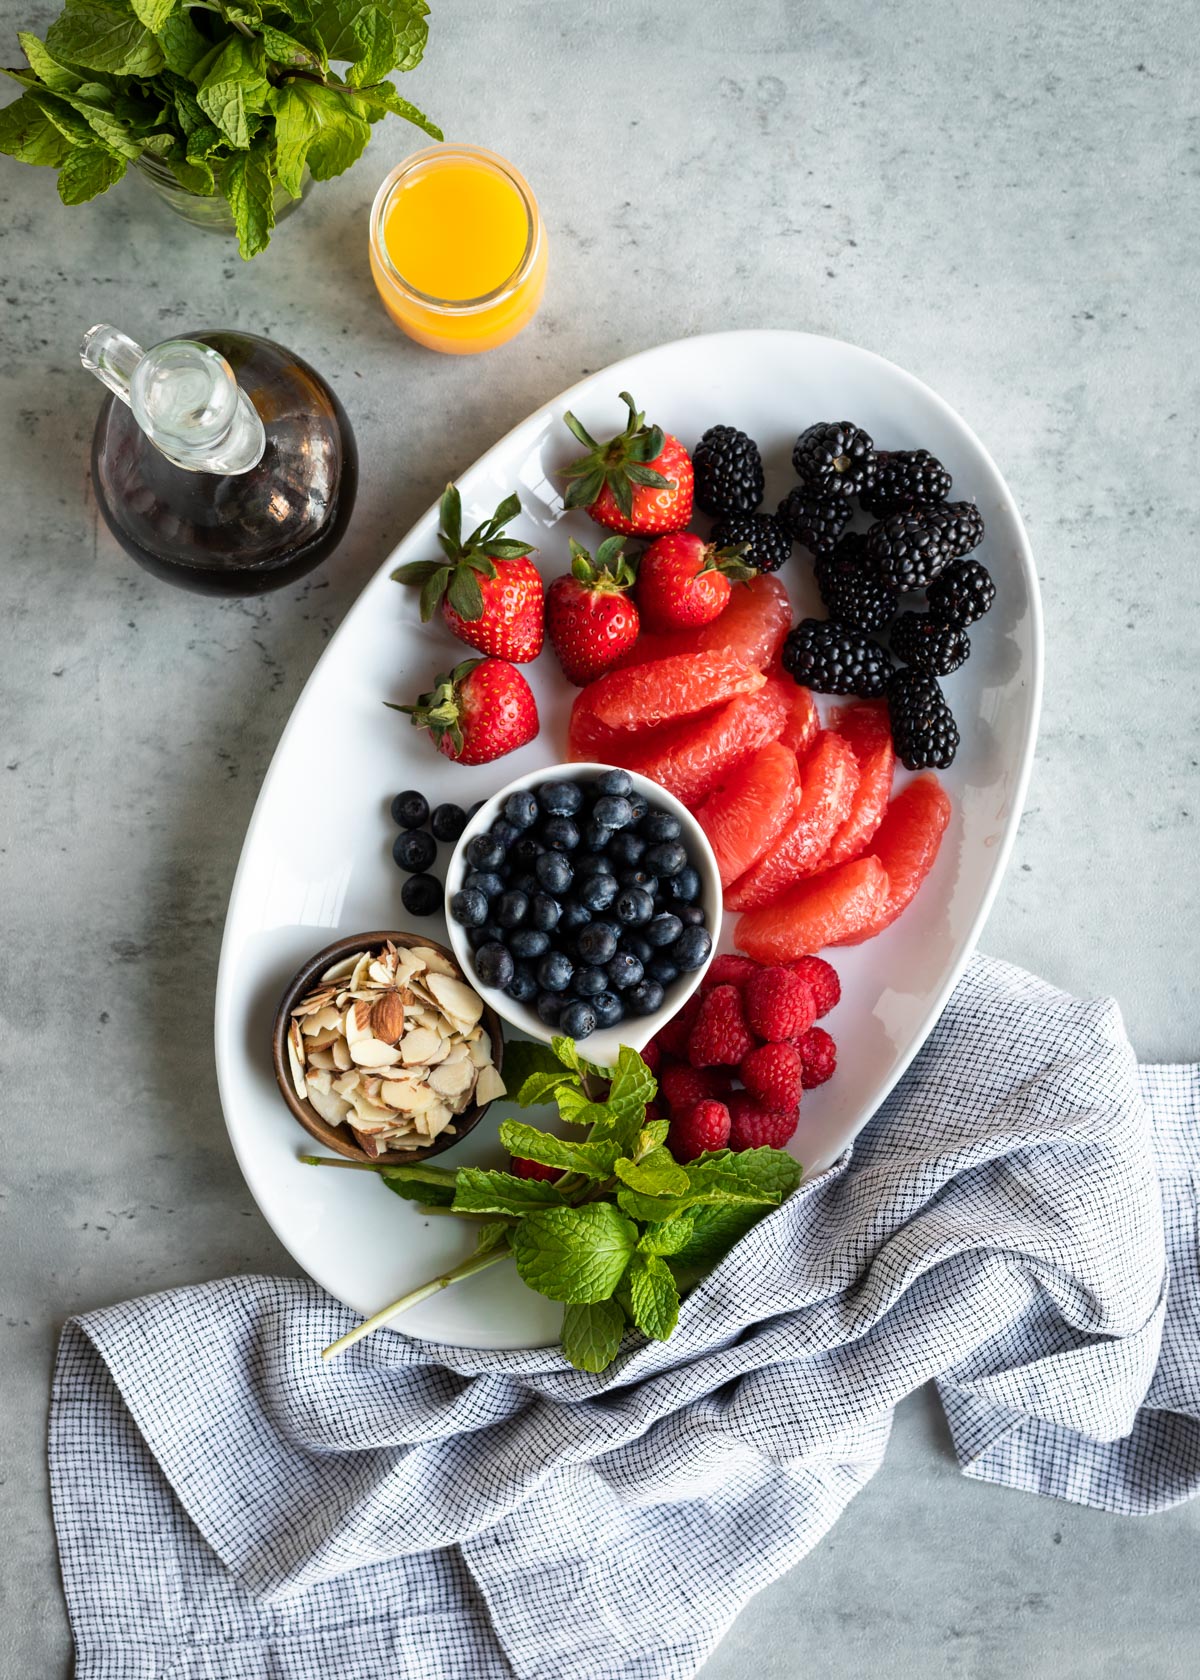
point(1003, 199)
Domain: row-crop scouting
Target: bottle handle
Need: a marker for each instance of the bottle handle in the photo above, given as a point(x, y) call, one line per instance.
point(112, 357)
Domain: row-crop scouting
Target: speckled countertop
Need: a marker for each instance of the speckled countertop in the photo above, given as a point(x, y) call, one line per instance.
point(1004, 199)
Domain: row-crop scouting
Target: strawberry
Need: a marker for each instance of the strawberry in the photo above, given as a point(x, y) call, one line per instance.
point(481, 710)
point(684, 581)
point(639, 483)
point(591, 619)
point(488, 590)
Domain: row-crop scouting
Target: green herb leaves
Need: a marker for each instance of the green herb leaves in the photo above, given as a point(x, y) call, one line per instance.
point(236, 98)
point(624, 1222)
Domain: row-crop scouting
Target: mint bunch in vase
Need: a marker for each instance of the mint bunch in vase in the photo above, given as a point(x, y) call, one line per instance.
point(231, 111)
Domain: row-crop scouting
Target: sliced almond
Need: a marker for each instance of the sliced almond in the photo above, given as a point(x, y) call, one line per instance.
point(296, 1064)
point(456, 999)
point(340, 1052)
point(322, 1059)
point(403, 1095)
point(435, 1119)
point(322, 1041)
point(451, 1078)
point(420, 1046)
point(456, 1051)
point(331, 1108)
point(348, 1082)
point(352, 1028)
point(407, 964)
point(488, 1086)
point(480, 1049)
point(359, 972)
point(321, 1020)
point(434, 961)
point(341, 970)
point(320, 1081)
point(369, 1052)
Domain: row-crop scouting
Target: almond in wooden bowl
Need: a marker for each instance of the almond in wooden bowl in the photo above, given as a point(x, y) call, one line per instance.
point(383, 1051)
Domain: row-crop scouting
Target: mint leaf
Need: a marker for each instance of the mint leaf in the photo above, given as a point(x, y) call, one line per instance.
point(522, 1059)
point(93, 102)
point(286, 49)
point(376, 38)
point(232, 89)
point(772, 1170)
point(27, 134)
point(567, 1052)
point(656, 1130)
point(182, 44)
point(434, 1186)
point(722, 1178)
point(104, 35)
point(246, 184)
point(593, 1159)
point(715, 1229)
point(668, 1237)
point(541, 1088)
point(492, 1235)
point(574, 1254)
point(154, 13)
point(577, 1107)
point(57, 77)
point(651, 1208)
point(633, 1085)
point(335, 21)
point(296, 125)
point(340, 140)
point(193, 177)
point(653, 1296)
point(482, 1191)
point(591, 1334)
point(88, 171)
point(383, 100)
point(656, 1174)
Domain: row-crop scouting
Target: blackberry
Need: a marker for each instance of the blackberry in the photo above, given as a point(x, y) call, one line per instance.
point(834, 458)
point(962, 594)
point(920, 640)
point(924, 732)
point(769, 543)
point(816, 522)
point(961, 528)
point(835, 658)
point(729, 471)
point(905, 478)
point(908, 550)
point(851, 589)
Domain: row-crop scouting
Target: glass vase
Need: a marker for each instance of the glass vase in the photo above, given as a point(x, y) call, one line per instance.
point(212, 214)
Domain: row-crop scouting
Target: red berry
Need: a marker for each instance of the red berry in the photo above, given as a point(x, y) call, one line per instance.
point(779, 1004)
point(682, 1086)
point(818, 1056)
point(533, 1169)
point(729, 970)
point(684, 581)
point(652, 1054)
point(751, 1126)
point(822, 977)
point(591, 619)
point(720, 1037)
point(623, 500)
point(481, 710)
point(772, 1073)
point(672, 1039)
point(703, 1126)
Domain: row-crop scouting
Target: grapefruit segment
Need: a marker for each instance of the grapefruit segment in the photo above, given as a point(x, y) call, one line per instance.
point(751, 628)
point(830, 909)
point(905, 847)
point(803, 722)
point(744, 817)
point(869, 735)
point(693, 757)
point(828, 779)
point(668, 689)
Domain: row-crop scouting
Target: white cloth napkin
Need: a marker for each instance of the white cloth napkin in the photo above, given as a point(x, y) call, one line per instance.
point(1018, 1221)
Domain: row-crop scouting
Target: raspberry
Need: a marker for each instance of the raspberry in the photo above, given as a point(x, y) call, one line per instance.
point(703, 1126)
point(682, 1086)
point(720, 1037)
point(728, 970)
point(673, 1038)
point(753, 1127)
point(822, 977)
point(652, 1054)
point(772, 1073)
point(818, 1054)
point(533, 1169)
point(779, 1004)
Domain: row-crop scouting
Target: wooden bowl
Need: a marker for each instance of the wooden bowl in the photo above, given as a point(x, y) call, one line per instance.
point(339, 1138)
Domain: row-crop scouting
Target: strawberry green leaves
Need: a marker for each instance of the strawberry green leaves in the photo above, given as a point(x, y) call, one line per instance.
point(455, 579)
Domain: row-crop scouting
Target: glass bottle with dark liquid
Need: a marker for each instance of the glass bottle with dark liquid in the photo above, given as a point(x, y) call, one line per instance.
point(223, 463)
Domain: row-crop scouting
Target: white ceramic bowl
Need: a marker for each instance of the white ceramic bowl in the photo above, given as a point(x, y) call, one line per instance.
point(636, 1030)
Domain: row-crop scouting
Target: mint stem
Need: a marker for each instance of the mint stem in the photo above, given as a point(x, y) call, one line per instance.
point(338, 1161)
point(468, 1268)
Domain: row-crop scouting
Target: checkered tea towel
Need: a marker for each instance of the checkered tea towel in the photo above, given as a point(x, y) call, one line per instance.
point(1018, 1222)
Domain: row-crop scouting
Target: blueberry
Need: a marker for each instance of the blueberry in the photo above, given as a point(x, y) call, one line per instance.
point(615, 782)
point(528, 943)
point(559, 834)
point(484, 851)
point(521, 809)
point(526, 851)
point(410, 810)
point(596, 836)
point(662, 969)
point(597, 892)
point(574, 915)
point(691, 915)
point(413, 849)
point(637, 945)
point(593, 863)
point(468, 907)
point(560, 799)
point(659, 826)
point(504, 832)
point(447, 821)
point(485, 881)
point(623, 971)
point(488, 934)
point(692, 949)
point(544, 912)
point(684, 887)
point(644, 998)
point(494, 965)
point(421, 895)
point(663, 929)
point(523, 987)
point(589, 981)
point(478, 806)
point(613, 811)
point(527, 882)
point(577, 1020)
point(597, 943)
point(608, 1009)
point(626, 848)
point(511, 909)
point(638, 805)
point(665, 857)
point(549, 1008)
point(554, 971)
point(639, 878)
point(554, 872)
point(633, 906)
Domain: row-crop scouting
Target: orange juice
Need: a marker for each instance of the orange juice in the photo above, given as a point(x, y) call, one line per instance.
point(458, 251)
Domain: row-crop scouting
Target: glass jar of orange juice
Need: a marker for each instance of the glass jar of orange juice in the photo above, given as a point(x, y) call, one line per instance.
point(458, 250)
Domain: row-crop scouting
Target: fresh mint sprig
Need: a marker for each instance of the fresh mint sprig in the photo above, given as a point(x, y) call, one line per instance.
point(233, 98)
point(621, 1230)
